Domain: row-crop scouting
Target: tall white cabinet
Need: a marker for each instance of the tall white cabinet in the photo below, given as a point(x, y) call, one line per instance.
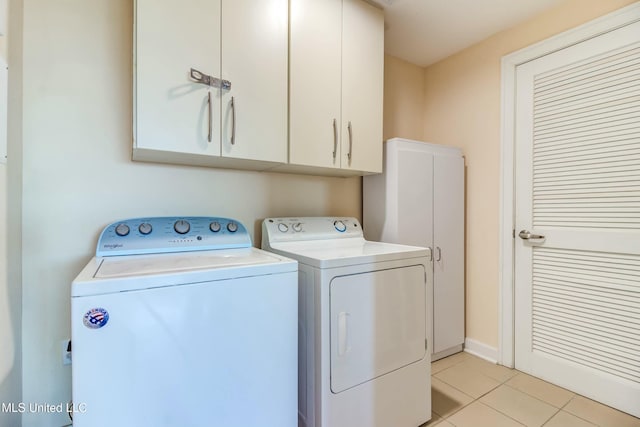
point(336, 86)
point(419, 200)
point(179, 120)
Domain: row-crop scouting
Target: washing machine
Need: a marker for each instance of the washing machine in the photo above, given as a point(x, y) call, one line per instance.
point(364, 321)
point(181, 322)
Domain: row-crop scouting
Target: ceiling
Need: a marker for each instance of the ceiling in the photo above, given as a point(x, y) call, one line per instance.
point(426, 31)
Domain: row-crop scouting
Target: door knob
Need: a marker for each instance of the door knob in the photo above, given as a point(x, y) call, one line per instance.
point(527, 235)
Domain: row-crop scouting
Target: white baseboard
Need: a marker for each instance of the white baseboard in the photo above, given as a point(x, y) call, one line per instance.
point(483, 351)
point(446, 353)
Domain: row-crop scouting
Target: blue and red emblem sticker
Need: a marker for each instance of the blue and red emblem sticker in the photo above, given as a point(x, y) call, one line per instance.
point(95, 318)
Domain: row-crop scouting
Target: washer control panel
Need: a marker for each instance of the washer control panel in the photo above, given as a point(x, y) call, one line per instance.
point(154, 235)
point(309, 228)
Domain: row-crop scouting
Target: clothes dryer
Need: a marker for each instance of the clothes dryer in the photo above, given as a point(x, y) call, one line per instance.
point(364, 322)
point(181, 322)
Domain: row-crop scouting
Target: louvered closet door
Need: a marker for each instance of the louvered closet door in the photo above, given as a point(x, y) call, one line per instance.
point(578, 185)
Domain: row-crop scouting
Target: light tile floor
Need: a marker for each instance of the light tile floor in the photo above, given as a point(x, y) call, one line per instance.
point(467, 391)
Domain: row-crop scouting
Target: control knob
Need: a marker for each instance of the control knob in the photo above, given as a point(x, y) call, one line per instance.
point(340, 226)
point(181, 226)
point(145, 228)
point(122, 229)
point(297, 227)
point(214, 226)
point(232, 227)
point(283, 227)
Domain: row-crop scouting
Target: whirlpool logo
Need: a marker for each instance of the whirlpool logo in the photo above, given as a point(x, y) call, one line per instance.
point(112, 246)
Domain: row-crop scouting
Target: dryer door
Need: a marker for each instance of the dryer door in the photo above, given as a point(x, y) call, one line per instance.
point(378, 324)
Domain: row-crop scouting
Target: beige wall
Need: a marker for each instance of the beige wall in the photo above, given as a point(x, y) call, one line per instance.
point(462, 108)
point(78, 175)
point(403, 99)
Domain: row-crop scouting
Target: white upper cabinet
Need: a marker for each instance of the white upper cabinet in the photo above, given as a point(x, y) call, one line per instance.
point(178, 120)
point(296, 84)
point(254, 60)
point(336, 85)
point(315, 83)
point(171, 111)
point(362, 86)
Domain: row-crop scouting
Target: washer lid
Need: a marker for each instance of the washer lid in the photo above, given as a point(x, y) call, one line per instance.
point(345, 252)
point(134, 272)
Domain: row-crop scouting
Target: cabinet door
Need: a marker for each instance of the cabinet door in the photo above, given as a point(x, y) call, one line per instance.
point(362, 86)
point(413, 186)
point(314, 82)
point(172, 112)
point(448, 266)
point(254, 60)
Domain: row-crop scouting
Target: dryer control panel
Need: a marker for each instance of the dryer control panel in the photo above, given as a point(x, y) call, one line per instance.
point(309, 228)
point(152, 235)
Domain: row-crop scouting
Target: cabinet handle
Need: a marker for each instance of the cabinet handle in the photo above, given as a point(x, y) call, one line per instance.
point(350, 142)
point(430, 253)
point(439, 252)
point(210, 135)
point(233, 121)
point(335, 138)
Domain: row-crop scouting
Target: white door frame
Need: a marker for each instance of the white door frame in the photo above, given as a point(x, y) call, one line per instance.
point(506, 292)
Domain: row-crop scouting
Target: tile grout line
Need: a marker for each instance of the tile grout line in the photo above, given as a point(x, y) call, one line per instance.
point(540, 400)
point(569, 401)
point(562, 408)
point(551, 384)
point(466, 394)
point(500, 412)
point(551, 417)
point(524, 391)
point(458, 410)
point(533, 397)
point(490, 407)
point(444, 369)
point(575, 415)
point(475, 399)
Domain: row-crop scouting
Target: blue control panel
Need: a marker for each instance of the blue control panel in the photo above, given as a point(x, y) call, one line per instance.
point(155, 235)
